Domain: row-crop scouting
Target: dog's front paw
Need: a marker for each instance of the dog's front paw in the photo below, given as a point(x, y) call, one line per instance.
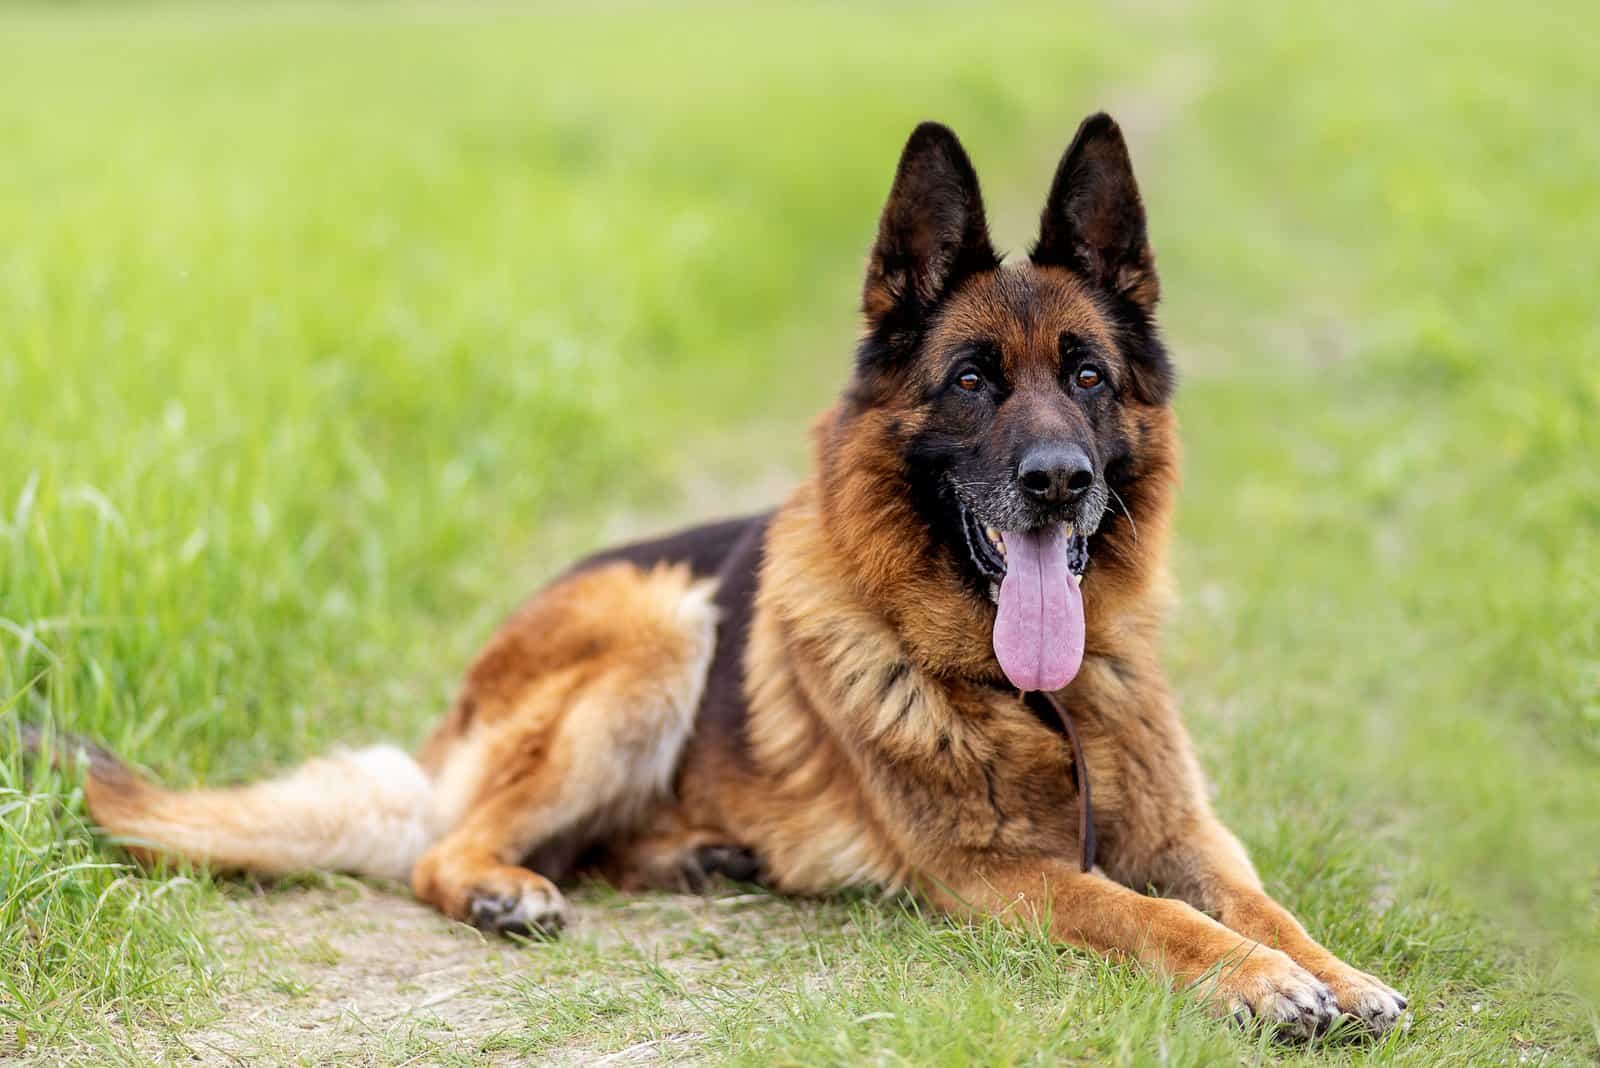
point(1365, 998)
point(1265, 985)
point(532, 909)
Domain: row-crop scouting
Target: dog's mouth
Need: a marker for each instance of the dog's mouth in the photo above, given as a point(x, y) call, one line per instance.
point(986, 546)
point(1034, 577)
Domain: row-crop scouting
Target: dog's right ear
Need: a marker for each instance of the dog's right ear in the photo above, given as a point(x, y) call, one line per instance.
point(931, 236)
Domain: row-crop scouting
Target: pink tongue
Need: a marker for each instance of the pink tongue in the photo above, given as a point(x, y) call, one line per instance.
point(1038, 634)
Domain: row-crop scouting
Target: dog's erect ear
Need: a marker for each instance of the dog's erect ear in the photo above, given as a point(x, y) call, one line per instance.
point(1093, 221)
point(932, 233)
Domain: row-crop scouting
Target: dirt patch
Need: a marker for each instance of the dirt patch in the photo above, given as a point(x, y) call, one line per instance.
point(353, 974)
point(338, 973)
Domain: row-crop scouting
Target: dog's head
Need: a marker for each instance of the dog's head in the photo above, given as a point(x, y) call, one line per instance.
point(1019, 410)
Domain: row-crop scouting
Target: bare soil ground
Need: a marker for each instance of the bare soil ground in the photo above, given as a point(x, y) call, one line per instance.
point(354, 974)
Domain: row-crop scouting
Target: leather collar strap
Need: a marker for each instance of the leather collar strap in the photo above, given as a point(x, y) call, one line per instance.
point(1080, 771)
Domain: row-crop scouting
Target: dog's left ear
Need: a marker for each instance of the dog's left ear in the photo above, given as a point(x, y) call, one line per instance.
point(932, 233)
point(1093, 221)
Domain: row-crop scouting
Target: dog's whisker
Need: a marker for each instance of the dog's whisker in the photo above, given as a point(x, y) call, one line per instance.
point(1124, 505)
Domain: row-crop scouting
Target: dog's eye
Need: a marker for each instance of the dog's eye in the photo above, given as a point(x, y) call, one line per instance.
point(1088, 376)
point(970, 381)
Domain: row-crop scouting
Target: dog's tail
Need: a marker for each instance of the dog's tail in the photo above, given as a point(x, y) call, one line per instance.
point(366, 812)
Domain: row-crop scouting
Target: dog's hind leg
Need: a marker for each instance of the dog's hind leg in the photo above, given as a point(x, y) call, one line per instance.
point(568, 732)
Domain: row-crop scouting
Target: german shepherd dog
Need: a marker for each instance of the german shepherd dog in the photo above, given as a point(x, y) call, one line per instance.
point(857, 688)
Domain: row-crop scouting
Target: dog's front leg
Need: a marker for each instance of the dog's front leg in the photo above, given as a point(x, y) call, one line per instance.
point(1207, 867)
point(1237, 975)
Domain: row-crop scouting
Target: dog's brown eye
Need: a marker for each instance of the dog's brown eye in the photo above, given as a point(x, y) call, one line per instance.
point(971, 382)
point(1088, 377)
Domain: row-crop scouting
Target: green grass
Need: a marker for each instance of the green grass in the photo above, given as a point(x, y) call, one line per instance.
point(326, 331)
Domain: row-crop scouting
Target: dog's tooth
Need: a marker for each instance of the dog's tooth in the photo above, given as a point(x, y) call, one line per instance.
point(1077, 580)
point(1066, 528)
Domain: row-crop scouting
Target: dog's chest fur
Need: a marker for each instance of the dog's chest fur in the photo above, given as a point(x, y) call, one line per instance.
point(871, 767)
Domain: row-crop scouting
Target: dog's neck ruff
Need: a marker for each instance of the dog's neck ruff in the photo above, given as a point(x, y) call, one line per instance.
point(1080, 772)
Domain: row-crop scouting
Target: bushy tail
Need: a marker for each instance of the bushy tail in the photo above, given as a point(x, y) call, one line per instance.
point(366, 811)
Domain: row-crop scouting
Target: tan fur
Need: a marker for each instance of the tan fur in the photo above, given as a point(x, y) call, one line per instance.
point(568, 730)
point(366, 812)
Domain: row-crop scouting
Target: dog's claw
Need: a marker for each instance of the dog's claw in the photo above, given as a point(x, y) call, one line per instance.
point(1367, 1000)
point(1282, 996)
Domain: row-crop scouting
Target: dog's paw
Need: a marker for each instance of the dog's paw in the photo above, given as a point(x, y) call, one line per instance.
point(705, 863)
point(532, 910)
point(1269, 988)
point(1365, 998)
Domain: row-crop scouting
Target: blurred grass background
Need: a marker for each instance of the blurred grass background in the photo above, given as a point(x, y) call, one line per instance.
point(327, 330)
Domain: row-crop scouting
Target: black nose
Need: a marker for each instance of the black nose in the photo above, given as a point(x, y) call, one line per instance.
point(1055, 474)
